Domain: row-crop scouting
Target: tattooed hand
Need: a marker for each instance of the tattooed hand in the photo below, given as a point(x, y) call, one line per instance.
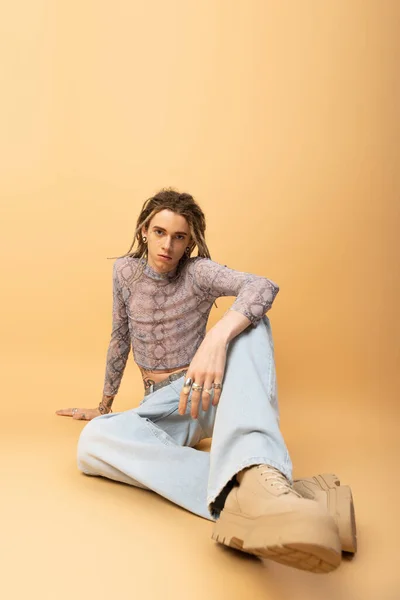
point(79, 414)
point(87, 414)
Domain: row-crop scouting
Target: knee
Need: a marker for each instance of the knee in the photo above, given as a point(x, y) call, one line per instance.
point(91, 435)
point(255, 337)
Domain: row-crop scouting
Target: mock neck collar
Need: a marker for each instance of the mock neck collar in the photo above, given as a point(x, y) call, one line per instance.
point(150, 272)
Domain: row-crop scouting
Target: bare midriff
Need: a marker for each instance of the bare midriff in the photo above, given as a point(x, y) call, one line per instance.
point(151, 377)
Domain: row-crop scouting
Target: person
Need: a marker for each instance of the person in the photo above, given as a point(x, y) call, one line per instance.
point(197, 384)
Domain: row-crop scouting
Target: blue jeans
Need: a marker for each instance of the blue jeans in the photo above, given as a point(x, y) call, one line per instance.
point(151, 446)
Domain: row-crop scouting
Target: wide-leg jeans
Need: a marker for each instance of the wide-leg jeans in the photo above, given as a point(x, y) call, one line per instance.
point(152, 446)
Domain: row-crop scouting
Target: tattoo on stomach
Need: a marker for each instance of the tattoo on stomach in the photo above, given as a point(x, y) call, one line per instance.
point(148, 383)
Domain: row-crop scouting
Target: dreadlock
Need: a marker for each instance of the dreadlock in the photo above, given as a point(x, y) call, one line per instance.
point(181, 204)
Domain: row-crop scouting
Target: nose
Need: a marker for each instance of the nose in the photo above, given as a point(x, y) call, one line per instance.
point(167, 243)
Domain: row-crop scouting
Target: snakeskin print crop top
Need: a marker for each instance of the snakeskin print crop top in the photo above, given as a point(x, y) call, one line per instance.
point(164, 316)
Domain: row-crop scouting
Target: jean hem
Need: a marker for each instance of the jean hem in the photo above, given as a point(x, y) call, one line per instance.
point(254, 460)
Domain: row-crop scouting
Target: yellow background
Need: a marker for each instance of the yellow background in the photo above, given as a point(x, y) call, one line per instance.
point(282, 119)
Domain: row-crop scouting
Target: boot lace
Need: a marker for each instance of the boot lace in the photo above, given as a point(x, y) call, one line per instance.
point(278, 480)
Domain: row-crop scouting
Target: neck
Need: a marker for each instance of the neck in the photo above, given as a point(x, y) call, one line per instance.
point(154, 273)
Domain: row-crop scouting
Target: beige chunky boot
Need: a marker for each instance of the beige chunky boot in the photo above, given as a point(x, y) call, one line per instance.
point(265, 516)
point(338, 500)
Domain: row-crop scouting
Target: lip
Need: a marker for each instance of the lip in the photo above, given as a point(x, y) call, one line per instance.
point(164, 257)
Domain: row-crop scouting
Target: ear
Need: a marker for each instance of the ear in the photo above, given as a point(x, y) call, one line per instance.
point(144, 230)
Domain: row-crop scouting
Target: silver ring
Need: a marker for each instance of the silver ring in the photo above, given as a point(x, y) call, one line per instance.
point(187, 386)
point(74, 410)
point(217, 386)
point(208, 391)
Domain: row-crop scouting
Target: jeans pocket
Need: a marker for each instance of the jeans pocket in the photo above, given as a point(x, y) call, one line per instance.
point(160, 434)
point(159, 404)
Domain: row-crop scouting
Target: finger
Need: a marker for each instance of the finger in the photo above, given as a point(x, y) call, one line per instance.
point(196, 396)
point(217, 394)
point(79, 416)
point(184, 395)
point(64, 412)
point(217, 391)
point(207, 392)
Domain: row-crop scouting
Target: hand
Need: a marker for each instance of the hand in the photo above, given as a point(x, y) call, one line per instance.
point(80, 414)
point(207, 367)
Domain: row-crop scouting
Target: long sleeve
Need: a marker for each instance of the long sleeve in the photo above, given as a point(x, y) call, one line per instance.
point(254, 294)
point(118, 349)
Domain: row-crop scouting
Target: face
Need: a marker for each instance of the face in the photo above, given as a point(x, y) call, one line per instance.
point(168, 236)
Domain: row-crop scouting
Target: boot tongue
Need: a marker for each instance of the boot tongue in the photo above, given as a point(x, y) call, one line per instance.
point(275, 481)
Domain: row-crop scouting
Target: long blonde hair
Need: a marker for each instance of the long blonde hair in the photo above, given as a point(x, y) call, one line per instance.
point(182, 204)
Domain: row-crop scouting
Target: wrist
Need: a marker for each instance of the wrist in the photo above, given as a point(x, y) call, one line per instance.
point(229, 326)
point(105, 404)
point(219, 334)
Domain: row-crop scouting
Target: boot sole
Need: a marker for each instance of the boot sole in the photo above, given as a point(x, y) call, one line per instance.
point(307, 542)
point(341, 507)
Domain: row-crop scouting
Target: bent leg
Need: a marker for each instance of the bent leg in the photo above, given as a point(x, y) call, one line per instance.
point(149, 447)
point(246, 430)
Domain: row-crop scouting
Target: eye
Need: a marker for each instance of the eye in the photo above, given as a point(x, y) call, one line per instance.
point(180, 237)
point(158, 231)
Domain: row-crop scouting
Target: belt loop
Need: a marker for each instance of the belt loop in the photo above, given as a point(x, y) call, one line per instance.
point(151, 388)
